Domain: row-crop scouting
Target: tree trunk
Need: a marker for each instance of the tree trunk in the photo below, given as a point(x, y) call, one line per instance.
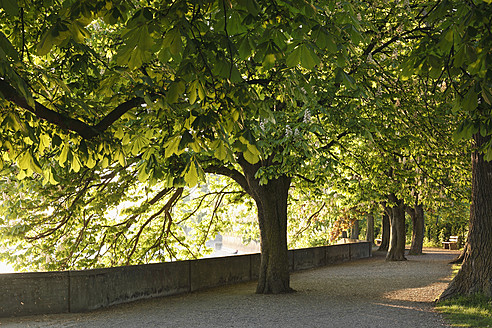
point(385, 229)
point(271, 201)
point(370, 228)
point(417, 215)
point(354, 230)
point(396, 251)
point(475, 275)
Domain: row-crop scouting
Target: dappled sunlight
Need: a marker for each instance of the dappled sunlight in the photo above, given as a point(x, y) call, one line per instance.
point(427, 293)
point(403, 307)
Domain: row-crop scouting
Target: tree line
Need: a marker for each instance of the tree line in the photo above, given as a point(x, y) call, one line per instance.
point(105, 103)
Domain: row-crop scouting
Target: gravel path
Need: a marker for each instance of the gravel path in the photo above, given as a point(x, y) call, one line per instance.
point(364, 293)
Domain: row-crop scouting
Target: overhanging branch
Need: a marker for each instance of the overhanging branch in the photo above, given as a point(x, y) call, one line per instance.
point(231, 173)
point(85, 130)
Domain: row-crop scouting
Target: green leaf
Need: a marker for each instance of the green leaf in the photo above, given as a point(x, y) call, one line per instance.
point(192, 92)
point(458, 133)
point(220, 150)
point(24, 160)
point(171, 147)
point(144, 172)
point(186, 138)
point(347, 80)
point(175, 90)
point(79, 32)
point(245, 47)
point(487, 94)
point(138, 143)
point(309, 59)
point(268, 61)
point(91, 162)
point(46, 43)
point(120, 157)
point(27, 162)
point(252, 155)
point(459, 57)
point(11, 7)
point(488, 154)
point(63, 155)
point(172, 42)
point(294, 58)
point(470, 102)
point(75, 163)
point(326, 41)
point(191, 174)
point(7, 48)
point(49, 177)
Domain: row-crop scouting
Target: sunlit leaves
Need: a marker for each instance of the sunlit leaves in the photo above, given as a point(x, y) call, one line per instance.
point(138, 143)
point(27, 162)
point(137, 48)
point(64, 154)
point(172, 146)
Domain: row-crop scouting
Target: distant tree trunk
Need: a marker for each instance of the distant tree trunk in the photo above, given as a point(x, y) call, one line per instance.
point(385, 229)
point(271, 201)
point(354, 230)
point(417, 215)
point(475, 275)
point(370, 228)
point(396, 251)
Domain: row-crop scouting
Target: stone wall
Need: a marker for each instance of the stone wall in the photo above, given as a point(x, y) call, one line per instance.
point(79, 291)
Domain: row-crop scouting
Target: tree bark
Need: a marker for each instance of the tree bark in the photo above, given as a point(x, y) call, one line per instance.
point(370, 228)
point(271, 201)
point(385, 229)
point(396, 251)
point(417, 215)
point(354, 230)
point(475, 275)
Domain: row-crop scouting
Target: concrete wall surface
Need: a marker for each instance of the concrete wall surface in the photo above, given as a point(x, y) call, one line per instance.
point(85, 290)
point(33, 293)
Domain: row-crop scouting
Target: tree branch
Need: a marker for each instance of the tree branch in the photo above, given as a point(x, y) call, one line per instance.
point(85, 130)
point(231, 173)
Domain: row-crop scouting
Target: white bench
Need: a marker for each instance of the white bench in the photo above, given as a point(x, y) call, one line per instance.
point(452, 243)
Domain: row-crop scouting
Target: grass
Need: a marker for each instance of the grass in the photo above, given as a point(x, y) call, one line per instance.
point(467, 311)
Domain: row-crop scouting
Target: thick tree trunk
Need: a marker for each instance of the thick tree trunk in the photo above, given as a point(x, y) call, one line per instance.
point(370, 228)
point(417, 215)
point(385, 229)
point(475, 275)
point(396, 251)
point(271, 201)
point(272, 217)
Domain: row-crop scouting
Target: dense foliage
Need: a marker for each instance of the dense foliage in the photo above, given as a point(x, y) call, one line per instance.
point(115, 112)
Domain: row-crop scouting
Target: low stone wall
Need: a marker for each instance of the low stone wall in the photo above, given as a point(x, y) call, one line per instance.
point(79, 291)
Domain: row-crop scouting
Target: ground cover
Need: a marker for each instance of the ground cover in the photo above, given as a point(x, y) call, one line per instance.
point(467, 311)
